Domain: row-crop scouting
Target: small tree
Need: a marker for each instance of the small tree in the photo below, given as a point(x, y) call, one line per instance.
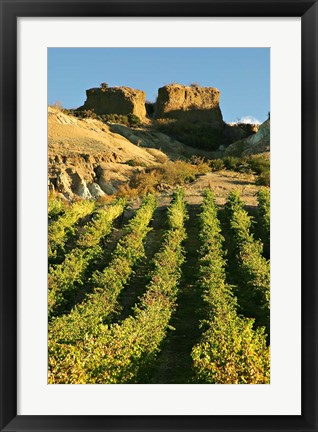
point(133, 120)
point(104, 86)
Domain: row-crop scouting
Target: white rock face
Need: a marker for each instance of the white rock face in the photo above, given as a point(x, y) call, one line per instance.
point(95, 190)
point(63, 185)
point(83, 191)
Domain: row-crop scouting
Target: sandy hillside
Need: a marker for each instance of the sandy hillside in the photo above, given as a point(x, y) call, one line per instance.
point(89, 158)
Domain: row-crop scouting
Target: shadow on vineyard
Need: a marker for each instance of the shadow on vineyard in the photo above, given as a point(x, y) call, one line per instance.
point(249, 302)
point(174, 364)
point(85, 286)
point(130, 296)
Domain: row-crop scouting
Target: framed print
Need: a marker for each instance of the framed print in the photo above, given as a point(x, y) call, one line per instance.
point(174, 284)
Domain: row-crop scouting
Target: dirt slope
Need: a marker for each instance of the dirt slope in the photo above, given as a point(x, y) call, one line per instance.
point(88, 158)
point(84, 155)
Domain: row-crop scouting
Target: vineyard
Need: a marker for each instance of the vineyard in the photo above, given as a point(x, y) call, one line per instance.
point(173, 293)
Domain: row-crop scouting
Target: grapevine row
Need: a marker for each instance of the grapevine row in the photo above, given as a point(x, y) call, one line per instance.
point(85, 317)
point(59, 230)
point(254, 269)
point(264, 216)
point(230, 351)
point(64, 278)
point(56, 207)
point(119, 353)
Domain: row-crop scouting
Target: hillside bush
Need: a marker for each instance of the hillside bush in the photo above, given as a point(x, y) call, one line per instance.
point(133, 120)
point(130, 120)
point(146, 182)
point(178, 172)
point(232, 163)
point(104, 86)
point(216, 165)
point(202, 165)
point(169, 174)
point(114, 118)
point(259, 164)
point(89, 114)
point(264, 179)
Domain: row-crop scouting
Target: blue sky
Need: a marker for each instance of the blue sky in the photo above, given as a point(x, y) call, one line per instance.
point(241, 74)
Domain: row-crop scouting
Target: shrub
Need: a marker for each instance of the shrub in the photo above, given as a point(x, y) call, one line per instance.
point(68, 111)
point(178, 172)
point(168, 174)
point(132, 163)
point(146, 182)
point(232, 163)
point(133, 120)
point(259, 164)
point(114, 118)
point(104, 199)
point(201, 164)
point(126, 120)
point(57, 105)
point(85, 113)
point(126, 191)
point(104, 86)
point(264, 179)
point(216, 165)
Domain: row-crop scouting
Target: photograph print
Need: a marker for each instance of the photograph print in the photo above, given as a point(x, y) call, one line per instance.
point(158, 216)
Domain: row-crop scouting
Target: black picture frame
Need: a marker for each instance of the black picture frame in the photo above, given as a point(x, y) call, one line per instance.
point(10, 11)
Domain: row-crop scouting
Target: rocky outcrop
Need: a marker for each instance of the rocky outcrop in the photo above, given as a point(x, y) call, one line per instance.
point(189, 103)
point(95, 190)
point(253, 144)
point(88, 158)
point(110, 176)
point(69, 183)
point(62, 183)
point(116, 100)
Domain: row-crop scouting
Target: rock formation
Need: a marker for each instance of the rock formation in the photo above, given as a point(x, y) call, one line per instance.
point(88, 158)
point(116, 100)
point(253, 144)
point(190, 103)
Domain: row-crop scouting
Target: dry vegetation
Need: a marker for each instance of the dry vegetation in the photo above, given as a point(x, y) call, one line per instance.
point(163, 177)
